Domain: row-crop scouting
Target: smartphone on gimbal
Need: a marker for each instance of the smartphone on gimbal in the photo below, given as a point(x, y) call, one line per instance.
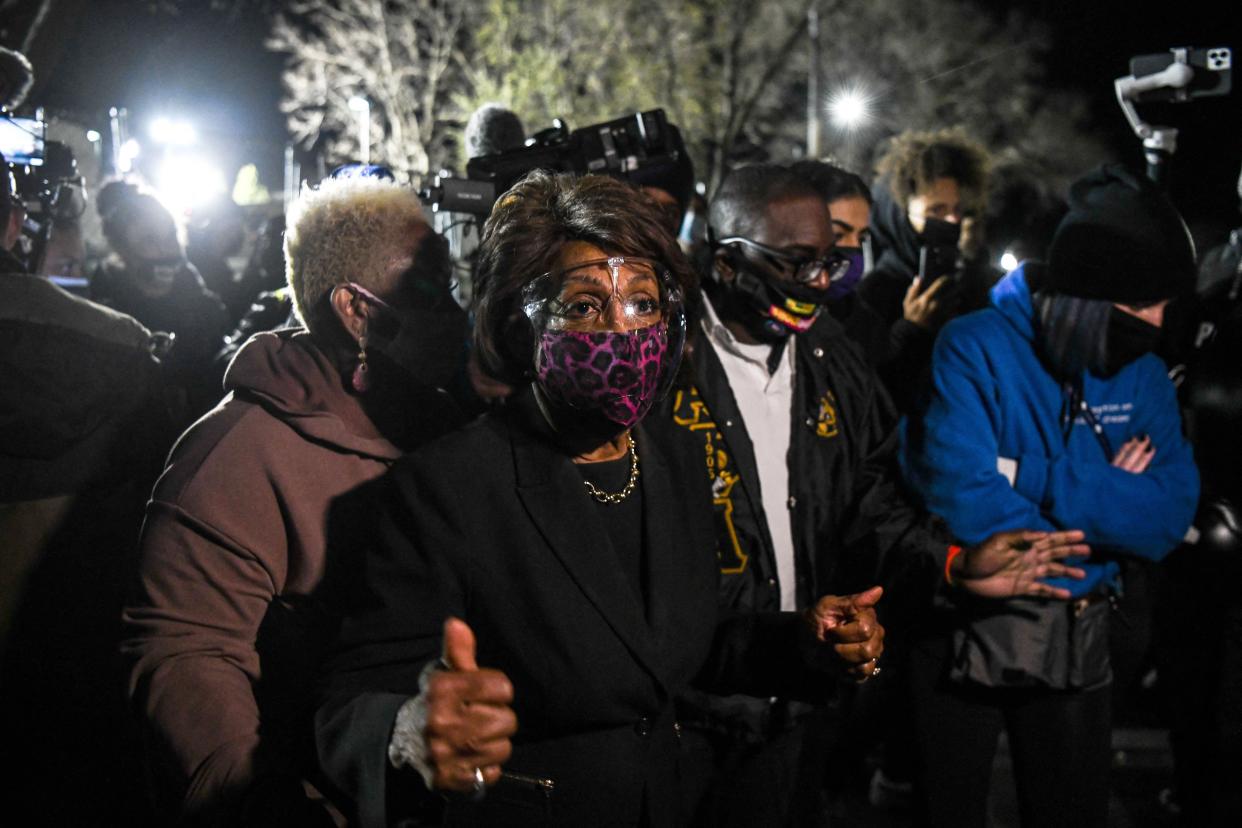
point(1212, 73)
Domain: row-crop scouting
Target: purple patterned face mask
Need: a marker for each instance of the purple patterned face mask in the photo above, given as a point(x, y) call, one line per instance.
point(617, 373)
point(846, 284)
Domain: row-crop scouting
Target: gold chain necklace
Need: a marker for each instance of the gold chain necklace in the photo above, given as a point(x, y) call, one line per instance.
point(617, 497)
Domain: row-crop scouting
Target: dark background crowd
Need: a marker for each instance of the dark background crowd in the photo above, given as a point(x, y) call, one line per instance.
point(126, 306)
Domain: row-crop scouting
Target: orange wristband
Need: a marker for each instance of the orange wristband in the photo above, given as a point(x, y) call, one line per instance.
point(954, 551)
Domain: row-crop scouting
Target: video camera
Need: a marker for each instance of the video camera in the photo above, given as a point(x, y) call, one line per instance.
point(620, 148)
point(47, 178)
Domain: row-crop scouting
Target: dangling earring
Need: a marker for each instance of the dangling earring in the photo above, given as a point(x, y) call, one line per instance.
point(361, 379)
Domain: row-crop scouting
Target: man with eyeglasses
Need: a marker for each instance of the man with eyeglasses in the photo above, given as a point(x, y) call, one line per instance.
point(799, 446)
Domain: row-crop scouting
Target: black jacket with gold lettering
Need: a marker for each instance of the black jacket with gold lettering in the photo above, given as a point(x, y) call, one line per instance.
point(853, 526)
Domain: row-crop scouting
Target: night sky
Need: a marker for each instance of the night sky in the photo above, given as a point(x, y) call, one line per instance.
point(1094, 42)
point(214, 69)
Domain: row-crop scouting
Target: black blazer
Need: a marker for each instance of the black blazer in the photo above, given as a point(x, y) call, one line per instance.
point(492, 524)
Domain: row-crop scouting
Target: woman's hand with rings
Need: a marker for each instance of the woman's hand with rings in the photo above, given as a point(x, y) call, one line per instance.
point(470, 719)
point(849, 625)
point(867, 670)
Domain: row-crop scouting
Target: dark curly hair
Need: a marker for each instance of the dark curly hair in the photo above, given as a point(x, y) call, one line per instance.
point(523, 237)
point(914, 160)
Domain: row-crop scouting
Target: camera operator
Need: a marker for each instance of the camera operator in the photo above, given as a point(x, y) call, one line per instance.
point(924, 224)
point(82, 434)
point(669, 183)
point(149, 278)
point(493, 128)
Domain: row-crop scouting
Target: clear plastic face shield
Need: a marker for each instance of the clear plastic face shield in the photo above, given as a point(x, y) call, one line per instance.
point(619, 293)
point(608, 335)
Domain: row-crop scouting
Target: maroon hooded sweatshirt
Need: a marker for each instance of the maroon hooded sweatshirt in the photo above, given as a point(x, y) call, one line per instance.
point(227, 622)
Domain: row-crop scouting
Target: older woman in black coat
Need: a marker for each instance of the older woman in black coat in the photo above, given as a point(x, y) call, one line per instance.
point(561, 545)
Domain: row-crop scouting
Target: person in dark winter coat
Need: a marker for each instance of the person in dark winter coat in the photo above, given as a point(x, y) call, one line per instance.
point(799, 443)
point(83, 432)
point(925, 229)
point(565, 534)
point(1198, 627)
point(1048, 409)
point(230, 608)
point(149, 278)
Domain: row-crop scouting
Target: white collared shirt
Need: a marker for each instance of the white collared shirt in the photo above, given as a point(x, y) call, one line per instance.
point(766, 403)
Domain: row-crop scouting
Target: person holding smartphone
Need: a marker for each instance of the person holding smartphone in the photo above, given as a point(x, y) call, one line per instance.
point(929, 192)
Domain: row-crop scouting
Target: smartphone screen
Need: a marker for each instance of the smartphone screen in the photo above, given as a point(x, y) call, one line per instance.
point(938, 253)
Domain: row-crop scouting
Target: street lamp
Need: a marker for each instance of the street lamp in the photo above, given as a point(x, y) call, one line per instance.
point(850, 107)
point(812, 85)
point(361, 107)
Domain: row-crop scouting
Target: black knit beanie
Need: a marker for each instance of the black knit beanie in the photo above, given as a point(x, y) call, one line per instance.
point(1122, 241)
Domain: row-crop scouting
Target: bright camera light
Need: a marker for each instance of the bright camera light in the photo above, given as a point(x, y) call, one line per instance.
point(125, 158)
point(1008, 261)
point(359, 104)
point(93, 136)
point(850, 107)
point(186, 181)
point(176, 132)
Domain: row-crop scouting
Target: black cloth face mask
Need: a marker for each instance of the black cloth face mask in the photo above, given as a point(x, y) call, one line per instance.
point(769, 310)
point(427, 344)
point(1128, 339)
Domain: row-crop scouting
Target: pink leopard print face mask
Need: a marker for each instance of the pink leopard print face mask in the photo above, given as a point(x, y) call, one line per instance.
point(617, 373)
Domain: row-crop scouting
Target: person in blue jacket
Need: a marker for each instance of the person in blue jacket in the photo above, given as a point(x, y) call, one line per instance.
point(1047, 409)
